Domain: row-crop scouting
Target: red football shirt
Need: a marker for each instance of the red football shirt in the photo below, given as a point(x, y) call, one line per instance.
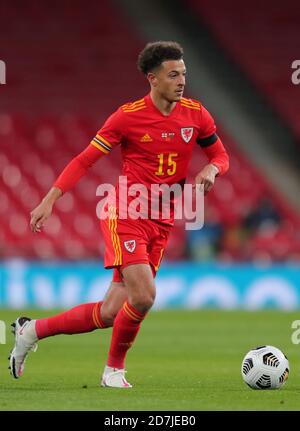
point(156, 149)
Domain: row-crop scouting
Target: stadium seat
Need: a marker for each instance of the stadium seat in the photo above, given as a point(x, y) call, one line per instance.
point(268, 36)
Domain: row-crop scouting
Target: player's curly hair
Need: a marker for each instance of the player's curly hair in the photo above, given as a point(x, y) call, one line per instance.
point(155, 53)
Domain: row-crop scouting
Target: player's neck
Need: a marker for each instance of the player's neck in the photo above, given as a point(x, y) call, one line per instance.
point(163, 105)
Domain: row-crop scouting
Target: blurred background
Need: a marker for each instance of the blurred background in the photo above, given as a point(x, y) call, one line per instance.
point(70, 64)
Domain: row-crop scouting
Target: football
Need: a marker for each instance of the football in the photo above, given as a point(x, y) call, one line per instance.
point(265, 367)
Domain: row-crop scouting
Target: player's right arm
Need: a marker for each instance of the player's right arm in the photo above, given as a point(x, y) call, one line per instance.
point(72, 173)
point(108, 136)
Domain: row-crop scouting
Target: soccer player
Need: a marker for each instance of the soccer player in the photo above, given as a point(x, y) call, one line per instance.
point(157, 134)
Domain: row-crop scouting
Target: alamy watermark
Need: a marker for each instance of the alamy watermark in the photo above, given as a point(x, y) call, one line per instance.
point(295, 338)
point(2, 72)
point(160, 201)
point(296, 74)
point(2, 332)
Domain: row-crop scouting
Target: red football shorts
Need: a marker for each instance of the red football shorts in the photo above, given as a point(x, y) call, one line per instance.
point(129, 242)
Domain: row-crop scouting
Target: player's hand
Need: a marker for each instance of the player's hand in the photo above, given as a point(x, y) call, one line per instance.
point(207, 177)
point(39, 215)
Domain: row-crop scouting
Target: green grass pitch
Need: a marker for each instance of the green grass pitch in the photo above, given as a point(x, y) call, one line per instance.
point(181, 361)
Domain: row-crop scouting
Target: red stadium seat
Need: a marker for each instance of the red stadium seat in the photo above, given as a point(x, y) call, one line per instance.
point(268, 36)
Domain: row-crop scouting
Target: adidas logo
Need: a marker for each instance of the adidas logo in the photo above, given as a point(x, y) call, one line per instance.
point(146, 138)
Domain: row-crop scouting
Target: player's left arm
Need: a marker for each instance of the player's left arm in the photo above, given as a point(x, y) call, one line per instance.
point(211, 144)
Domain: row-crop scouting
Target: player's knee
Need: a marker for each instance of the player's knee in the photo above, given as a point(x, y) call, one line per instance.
point(108, 314)
point(140, 284)
point(143, 301)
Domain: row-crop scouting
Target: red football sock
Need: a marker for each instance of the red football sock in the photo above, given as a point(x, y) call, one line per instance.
point(126, 326)
point(83, 318)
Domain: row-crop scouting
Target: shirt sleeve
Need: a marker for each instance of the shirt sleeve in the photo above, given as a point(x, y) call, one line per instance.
point(218, 156)
point(207, 134)
point(77, 168)
point(211, 143)
point(111, 133)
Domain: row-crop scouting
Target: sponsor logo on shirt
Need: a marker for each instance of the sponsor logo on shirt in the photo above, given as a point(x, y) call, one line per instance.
point(146, 138)
point(186, 134)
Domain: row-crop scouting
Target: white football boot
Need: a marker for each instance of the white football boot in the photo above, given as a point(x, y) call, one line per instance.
point(114, 378)
point(25, 340)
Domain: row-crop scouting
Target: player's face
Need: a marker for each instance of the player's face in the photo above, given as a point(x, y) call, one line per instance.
point(169, 80)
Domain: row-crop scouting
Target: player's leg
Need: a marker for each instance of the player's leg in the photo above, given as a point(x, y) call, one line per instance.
point(80, 319)
point(139, 281)
point(112, 302)
point(84, 317)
